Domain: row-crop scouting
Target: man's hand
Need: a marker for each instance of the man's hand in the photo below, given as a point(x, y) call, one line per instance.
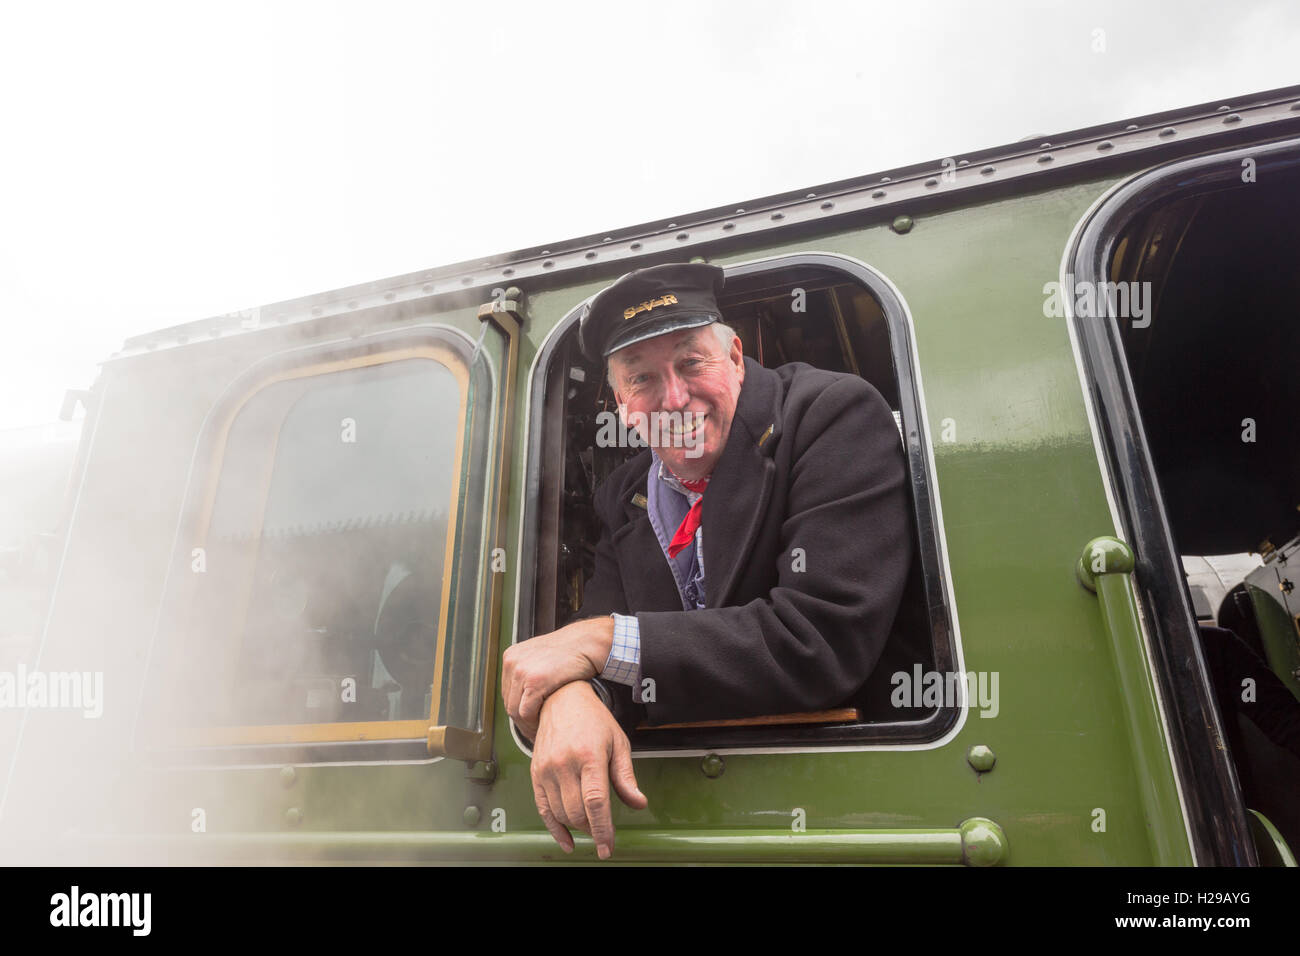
point(579, 750)
point(534, 669)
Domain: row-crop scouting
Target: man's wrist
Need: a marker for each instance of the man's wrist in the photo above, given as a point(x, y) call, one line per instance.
point(603, 693)
point(598, 641)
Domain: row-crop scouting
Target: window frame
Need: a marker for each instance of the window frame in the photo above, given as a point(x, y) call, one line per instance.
point(540, 544)
point(409, 740)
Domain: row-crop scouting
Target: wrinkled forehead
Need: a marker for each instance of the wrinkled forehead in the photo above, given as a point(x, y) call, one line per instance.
point(665, 347)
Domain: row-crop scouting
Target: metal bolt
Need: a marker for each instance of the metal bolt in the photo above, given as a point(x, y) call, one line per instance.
point(472, 816)
point(902, 225)
point(981, 758)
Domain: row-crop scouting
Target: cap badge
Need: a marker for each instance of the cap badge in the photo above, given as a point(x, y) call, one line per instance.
point(668, 299)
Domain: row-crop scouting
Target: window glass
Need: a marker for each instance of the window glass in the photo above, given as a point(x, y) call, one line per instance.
point(337, 590)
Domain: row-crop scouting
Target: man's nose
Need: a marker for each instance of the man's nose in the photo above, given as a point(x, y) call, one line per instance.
point(676, 394)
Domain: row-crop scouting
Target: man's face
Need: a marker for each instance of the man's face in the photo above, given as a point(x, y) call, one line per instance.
point(685, 377)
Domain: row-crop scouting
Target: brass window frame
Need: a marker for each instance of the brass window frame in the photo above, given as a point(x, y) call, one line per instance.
point(439, 738)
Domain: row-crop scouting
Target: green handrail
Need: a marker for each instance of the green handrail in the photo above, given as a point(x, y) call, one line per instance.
point(976, 842)
point(1104, 568)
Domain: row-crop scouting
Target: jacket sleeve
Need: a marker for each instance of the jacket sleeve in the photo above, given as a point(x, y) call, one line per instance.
point(814, 639)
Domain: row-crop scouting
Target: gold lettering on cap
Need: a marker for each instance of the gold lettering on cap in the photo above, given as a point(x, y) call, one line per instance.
point(666, 299)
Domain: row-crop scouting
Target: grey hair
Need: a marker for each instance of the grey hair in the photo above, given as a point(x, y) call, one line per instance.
point(725, 334)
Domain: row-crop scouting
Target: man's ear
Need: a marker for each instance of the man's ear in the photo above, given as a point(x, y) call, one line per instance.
point(737, 356)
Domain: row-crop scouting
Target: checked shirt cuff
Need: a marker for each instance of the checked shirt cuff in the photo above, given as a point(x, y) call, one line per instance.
point(624, 662)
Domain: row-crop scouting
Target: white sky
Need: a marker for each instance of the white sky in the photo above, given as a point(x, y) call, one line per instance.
point(166, 162)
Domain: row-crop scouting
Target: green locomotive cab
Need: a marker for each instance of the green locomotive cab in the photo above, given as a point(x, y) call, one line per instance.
point(301, 539)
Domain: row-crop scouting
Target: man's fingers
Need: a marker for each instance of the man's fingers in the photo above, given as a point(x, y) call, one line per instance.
point(622, 777)
point(575, 814)
point(557, 829)
point(595, 803)
point(527, 729)
point(530, 705)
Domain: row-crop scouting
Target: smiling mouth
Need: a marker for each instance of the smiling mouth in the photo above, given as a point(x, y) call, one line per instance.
point(680, 433)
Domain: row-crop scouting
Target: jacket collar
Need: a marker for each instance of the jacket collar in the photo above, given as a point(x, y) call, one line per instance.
point(741, 484)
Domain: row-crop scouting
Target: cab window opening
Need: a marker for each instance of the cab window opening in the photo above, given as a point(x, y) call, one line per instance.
point(782, 313)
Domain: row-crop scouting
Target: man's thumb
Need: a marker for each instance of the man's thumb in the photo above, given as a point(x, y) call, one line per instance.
point(624, 779)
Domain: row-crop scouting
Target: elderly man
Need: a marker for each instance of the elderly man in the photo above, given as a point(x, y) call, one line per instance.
point(751, 560)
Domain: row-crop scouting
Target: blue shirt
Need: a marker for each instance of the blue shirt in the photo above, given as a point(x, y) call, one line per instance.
point(667, 502)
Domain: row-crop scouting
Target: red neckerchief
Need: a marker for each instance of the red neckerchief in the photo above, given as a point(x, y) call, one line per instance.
point(686, 531)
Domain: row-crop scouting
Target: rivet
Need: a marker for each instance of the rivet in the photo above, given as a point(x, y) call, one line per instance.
point(472, 816)
point(1131, 126)
point(683, 235)
point(828, 205)
point(1168, 131)
point(548, 263)
point(811, 196)
point(901, 225)
point(987, 171)
point(963, 162)
point(1223, 109)
point(508, 272)
point(591, 255)
point(1232, 118)
point(287, 776)
point(777, 215)
point(1044, 145)
point(1105, 144)
point(981, 758)
point(1045, 158)
point(931, 182)
point(293, 816)
point(712, 766)
point(878, 194)
point(728, 226)
point(885, 179)
point(608, 239)
point(740, 210)
point(635, 246)
point(1295, 107)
